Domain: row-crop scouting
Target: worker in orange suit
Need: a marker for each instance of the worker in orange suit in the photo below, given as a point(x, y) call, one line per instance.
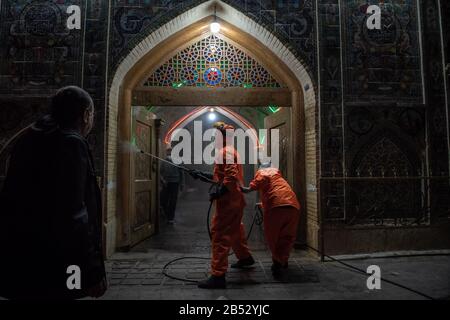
point(281, 214)
point(227, 230)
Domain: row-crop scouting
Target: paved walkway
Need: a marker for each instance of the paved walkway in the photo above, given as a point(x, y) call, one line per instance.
point(141, 278)
point(138, 274)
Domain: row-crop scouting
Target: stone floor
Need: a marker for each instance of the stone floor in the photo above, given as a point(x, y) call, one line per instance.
point(138, 274)
point(141, 278)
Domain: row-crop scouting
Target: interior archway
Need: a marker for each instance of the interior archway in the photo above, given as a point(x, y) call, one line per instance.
point(164, 42)
point(182, 122)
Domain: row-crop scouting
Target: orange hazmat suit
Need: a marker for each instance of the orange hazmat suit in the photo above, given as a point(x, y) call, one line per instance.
point(281, 212)
point(227, 229)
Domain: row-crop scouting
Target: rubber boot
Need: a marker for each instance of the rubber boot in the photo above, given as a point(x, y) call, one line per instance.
point(247, 262)
point(213, 282)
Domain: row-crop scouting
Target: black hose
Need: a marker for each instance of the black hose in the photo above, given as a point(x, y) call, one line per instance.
point(361, 271)
point(178, 259)
point(207, 219)
point(164, 272)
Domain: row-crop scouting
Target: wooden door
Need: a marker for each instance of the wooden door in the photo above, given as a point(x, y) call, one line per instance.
point(281, 120)
point(144, 177)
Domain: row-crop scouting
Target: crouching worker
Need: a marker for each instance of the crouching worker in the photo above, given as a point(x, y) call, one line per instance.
point(281, 214)
point(227, 230)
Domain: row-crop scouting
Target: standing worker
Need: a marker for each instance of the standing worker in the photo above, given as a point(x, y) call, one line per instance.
point(281, 214)
point(172, 178)
point(227, 231)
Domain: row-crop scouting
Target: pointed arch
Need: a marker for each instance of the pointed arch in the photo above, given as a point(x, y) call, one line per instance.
point(165, 41)
point(196, 113)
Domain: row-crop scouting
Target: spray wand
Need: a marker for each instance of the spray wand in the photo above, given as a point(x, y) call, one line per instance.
point(206, 179)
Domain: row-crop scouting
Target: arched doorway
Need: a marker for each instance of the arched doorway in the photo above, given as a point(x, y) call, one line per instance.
point(152, 52)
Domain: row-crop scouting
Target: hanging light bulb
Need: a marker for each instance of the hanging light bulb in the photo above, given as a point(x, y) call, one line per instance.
point(215, 26)
point(212, 116)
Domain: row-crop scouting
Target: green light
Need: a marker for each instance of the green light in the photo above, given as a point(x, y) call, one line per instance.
point(247, 85)
point(180, 84)
point(274, 108)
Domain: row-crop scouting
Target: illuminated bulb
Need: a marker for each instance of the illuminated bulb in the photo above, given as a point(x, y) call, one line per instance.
point(215, 27)
point(211, 109)
point(212, 116)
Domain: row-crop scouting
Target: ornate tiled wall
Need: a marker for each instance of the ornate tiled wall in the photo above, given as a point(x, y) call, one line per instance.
point(383, 108)
point(437, 110)
point(292, 21)
point(331, 108)
point(382, 64)
point(94, 71)
point(377, 117)
point(38, 53)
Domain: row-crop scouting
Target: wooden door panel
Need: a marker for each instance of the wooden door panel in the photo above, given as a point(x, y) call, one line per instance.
point(282, 121)
point(144, 189)
point(143, 133)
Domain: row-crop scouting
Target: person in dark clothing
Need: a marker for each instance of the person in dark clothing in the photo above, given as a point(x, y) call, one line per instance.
point(172, 178)
point(50, 216)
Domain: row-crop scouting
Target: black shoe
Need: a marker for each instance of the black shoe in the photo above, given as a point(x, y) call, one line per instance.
point(278, 269)
point(247, 262)
point(213, 282)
